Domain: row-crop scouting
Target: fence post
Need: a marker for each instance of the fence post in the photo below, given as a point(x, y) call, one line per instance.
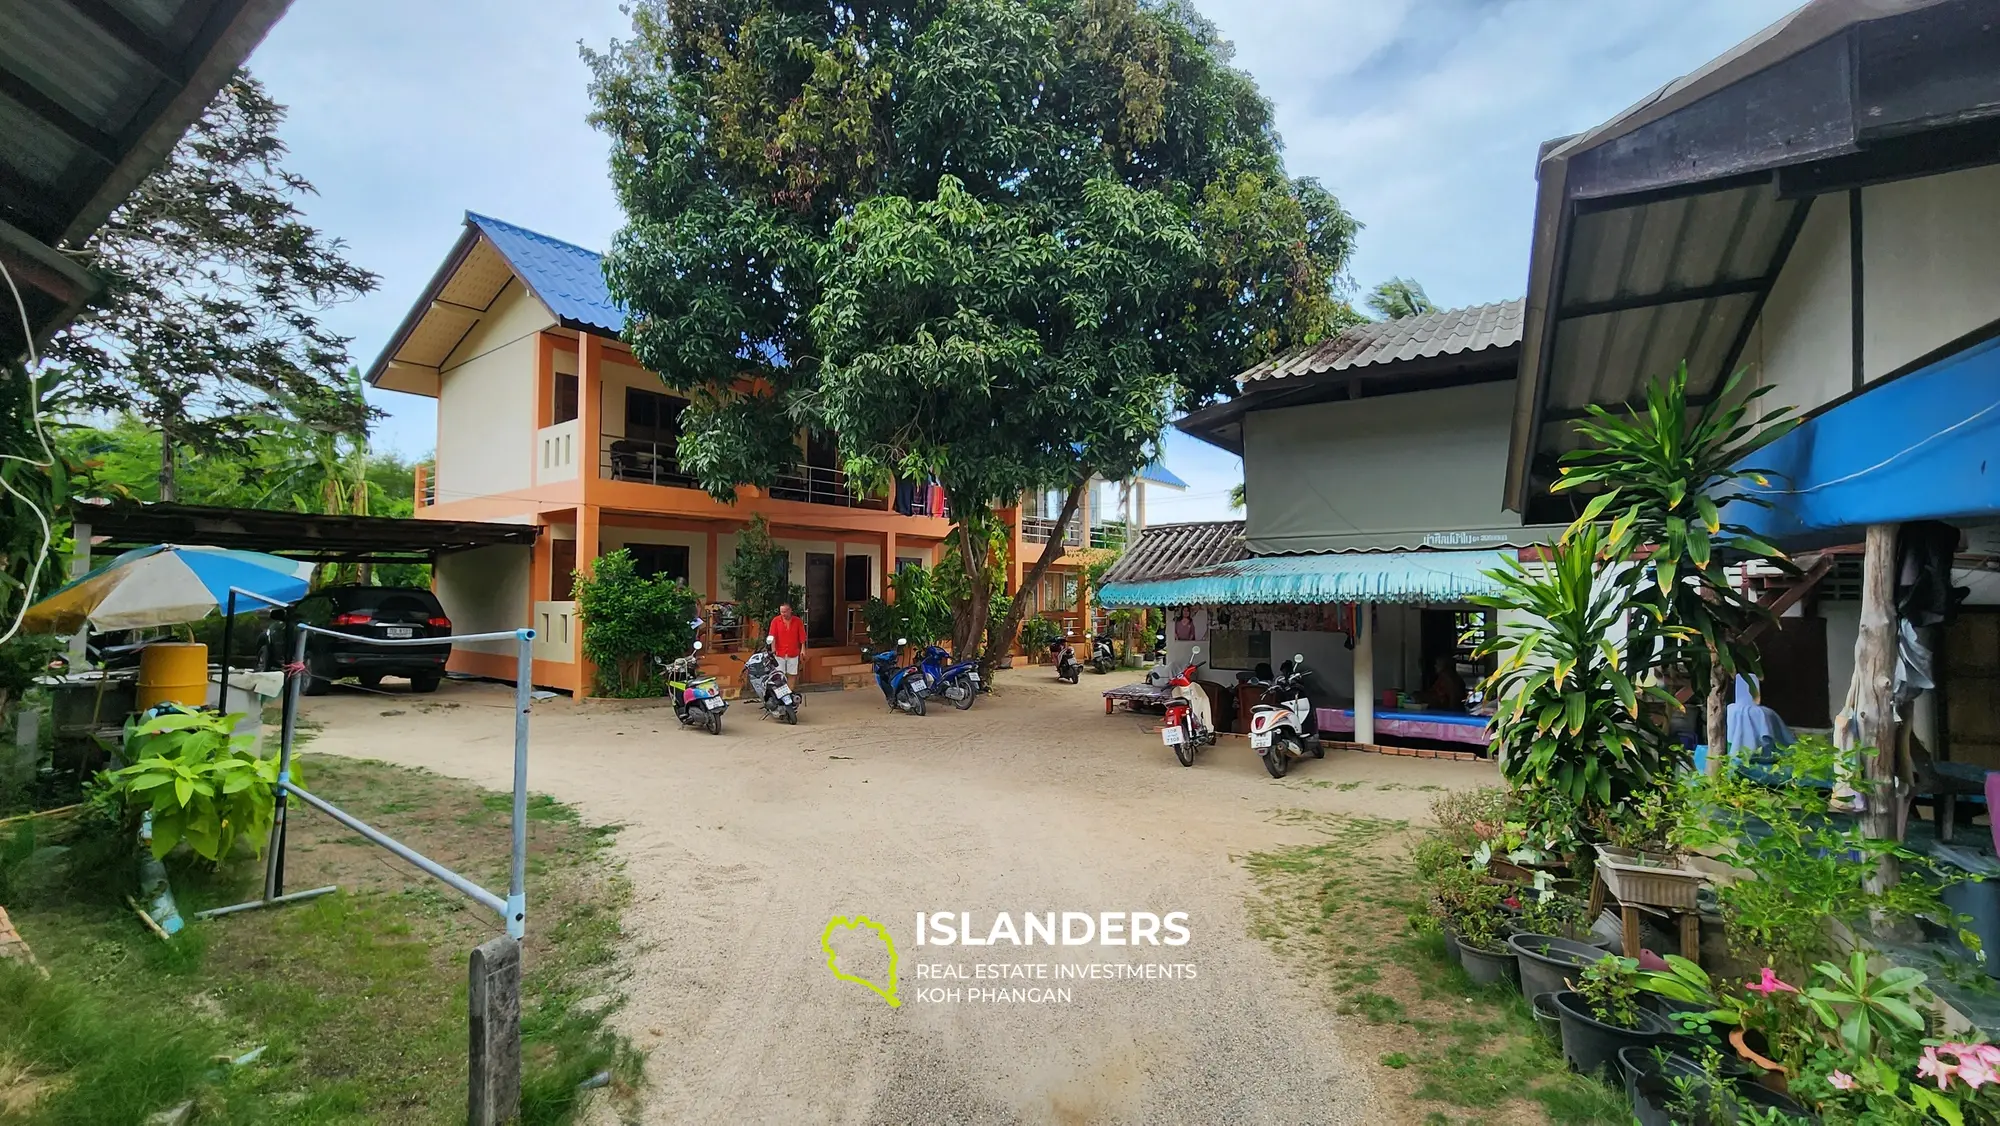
point(494, 1072)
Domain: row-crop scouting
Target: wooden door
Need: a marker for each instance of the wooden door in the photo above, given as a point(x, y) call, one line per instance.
point(820, 599)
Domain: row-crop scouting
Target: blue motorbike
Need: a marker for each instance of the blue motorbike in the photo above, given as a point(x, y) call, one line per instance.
point(903, 688)
point(959, 682)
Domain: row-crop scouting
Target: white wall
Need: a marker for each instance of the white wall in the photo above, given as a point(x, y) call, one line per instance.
point(1398, 639)
point(1929, 276)
point(485, 590)
point(486, 402)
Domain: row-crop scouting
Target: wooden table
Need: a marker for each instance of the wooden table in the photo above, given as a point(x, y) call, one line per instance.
point(1628, 922)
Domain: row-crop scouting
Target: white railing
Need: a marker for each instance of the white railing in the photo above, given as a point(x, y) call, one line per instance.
point(556, 453)
point(555, 632)
point(1042, 529)
point(640, 461)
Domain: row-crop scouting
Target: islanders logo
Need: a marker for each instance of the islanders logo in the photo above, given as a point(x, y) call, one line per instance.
point(885, 989)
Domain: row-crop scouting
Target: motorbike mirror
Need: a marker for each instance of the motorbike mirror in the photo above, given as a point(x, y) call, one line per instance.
point(770, 639)
point(1298, 658)
point(902, 641)
point(1196, 651)
point(697, 645)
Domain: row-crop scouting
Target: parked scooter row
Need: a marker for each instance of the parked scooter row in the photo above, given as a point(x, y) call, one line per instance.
point(1282, 726)
point(698, 699)
point(1103, 657)
point(933, 673)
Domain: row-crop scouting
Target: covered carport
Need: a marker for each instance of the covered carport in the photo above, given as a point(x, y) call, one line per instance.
point(105, 527)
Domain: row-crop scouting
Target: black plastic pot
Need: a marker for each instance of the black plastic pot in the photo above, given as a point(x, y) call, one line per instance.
point(1451, 948)
point(1755, 1095)
point(1485, 967)
point(1546, 963)
point(1650, 1097)
point(1547, 1018)
point(1591, 1045)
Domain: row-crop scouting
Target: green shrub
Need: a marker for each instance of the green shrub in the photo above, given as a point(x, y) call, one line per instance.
point(199, 782)
point(1038, 633)
point(627, 618)
point(757, 575)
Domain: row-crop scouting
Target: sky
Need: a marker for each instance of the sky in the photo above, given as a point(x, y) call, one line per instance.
point(1423, 116)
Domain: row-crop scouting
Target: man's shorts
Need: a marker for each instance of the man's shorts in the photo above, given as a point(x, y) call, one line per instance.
point(790, 665)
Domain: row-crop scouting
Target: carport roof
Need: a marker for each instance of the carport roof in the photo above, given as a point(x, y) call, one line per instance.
point(1659, 233)
point(294, 535)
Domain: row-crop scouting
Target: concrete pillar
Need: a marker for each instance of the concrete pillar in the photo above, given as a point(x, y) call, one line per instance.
point(588, 517)
point(493, 1077)
point(1364, 673)
point(589, 409)
point(888, 577)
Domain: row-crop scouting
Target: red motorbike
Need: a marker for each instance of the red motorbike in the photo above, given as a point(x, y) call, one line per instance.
point(1188, 726)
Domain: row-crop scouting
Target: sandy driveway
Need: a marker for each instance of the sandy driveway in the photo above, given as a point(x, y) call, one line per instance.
point(740, 848)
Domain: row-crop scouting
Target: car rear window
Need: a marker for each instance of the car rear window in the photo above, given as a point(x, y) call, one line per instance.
point(385, 598)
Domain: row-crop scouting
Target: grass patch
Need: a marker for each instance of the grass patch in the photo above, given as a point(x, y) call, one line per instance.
point(1473, 1052)
point(357, 998)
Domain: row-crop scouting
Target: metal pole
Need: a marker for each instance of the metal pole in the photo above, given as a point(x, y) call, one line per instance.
point(517, 891)
point(228, 633)
point(274, 868)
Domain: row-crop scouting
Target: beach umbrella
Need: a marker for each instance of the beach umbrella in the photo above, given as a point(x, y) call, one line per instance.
point(166, 585)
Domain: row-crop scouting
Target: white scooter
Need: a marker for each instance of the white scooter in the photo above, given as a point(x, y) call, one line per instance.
point(1188, 726)
point(1281, 725)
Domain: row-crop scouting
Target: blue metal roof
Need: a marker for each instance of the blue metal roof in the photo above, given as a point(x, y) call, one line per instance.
point(562, 275)
point(1403, 576)
point(1158, 474)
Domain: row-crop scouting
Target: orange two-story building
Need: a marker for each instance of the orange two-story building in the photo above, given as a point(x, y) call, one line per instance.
point(544, 417)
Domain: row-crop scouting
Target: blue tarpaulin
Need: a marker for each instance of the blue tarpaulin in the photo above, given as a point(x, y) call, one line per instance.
point(1402, 576)
point(1925, 446)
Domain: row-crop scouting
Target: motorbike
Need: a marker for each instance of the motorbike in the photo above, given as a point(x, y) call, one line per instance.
point(958, 681)
point(1188, 726)
point(766, 683)
point(1281, 724)
point(697, 699)
point(1101, 656)
point(1067, 666)
point(903, 688)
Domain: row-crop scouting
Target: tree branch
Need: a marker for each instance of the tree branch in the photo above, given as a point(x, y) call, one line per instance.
point(998, 641)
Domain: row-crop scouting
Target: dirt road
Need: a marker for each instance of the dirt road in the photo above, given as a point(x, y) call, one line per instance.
point(741, 847)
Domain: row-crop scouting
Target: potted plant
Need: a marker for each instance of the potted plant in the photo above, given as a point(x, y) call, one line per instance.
point(1602, 1014)
point(1553, 944)
point(1469, 908)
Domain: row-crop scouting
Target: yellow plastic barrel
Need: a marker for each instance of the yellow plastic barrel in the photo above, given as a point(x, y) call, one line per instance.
point(173, 672)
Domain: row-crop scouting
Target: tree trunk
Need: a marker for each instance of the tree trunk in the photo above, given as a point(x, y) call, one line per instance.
point(998, 641)
point(166, 478)
point(967, 628)
point(1873, 691)
point(1717, 715)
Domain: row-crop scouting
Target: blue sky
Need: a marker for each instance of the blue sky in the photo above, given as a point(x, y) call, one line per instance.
point(1424, 116)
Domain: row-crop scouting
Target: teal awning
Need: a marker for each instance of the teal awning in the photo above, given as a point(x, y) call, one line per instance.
point(1403, 576)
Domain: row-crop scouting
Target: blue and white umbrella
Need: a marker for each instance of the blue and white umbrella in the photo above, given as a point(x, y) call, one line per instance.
point(166, 585)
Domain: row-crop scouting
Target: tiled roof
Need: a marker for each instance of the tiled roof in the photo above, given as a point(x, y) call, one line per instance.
point(1448, 332)
point(564, 276)
point(1166, 551)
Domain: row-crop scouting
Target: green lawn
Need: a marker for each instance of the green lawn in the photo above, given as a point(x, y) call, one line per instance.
point(357, 998)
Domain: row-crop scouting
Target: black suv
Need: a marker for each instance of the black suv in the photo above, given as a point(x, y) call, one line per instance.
point(390, 612)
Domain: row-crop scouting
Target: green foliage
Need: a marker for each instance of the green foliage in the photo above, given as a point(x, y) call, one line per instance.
point(22, 659)
point(1038, 633)
point(1862, 1008)
point(628, 618)
point(36, 488)
point(1611, 987)
point(920, 612)
point(211, 320)
point(757, 574)
point(986, 243)
point(199, 784)
point(1570, 718)
point(1397, 298)
point(1664, 475)
point(1814, 868)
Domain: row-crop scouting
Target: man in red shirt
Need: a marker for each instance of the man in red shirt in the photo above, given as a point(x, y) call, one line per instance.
point(788, 639)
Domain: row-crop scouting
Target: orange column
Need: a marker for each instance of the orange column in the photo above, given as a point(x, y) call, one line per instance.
point(840, 591)
point(1012, 580)
point(888, 566)
point(589, 411)
point(587, 517)
point(714, 568)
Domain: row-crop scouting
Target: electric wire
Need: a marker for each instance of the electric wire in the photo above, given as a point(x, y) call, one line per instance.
point(48, 462)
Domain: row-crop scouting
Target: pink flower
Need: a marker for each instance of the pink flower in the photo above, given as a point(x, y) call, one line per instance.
point(1769, 984)
point(1983, 1053)
point(1841, 1080)
point(1976, 1072)
point(1936, 1068)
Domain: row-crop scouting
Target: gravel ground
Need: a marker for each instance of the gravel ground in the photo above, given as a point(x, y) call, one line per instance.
point(740, 848)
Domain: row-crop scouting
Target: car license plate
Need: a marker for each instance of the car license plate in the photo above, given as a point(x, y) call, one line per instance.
point(1173, 736)
point(714, 703)
point(395, 633)
point(1260, 740)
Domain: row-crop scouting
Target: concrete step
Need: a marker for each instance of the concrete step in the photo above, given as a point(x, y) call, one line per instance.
point(859, 668)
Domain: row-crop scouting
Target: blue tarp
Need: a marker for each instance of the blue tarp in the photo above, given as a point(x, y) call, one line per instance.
point(1920, 447)
point(1402, 576)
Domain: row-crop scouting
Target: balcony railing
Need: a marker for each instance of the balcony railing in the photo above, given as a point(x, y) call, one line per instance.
point(427, 486)
point(814, 484)
point(640, 461)
point(1107, 536)
point(556, 453)
point(1042, 529)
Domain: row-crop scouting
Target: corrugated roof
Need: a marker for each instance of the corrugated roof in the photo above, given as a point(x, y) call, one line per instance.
point(1447, 332)
point(567, 278)
point(1396, 577)
point(1157, 473)
point(1166, 551)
